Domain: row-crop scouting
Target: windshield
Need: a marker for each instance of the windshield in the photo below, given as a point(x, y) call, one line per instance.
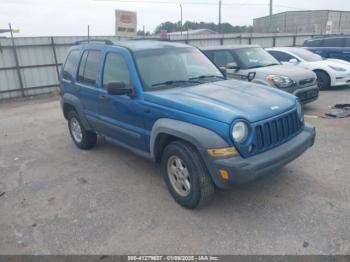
point(255, 57)
point(170, 67)
point(306, 55)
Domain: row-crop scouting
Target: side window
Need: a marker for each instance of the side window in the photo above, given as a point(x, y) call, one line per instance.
point(67, 72)
point(333, 42)
point(347, 42)
point(281, 56)
point(313, 43)
point(209, 54)
point(115, 70)
point(222, 58)
point(88, 68)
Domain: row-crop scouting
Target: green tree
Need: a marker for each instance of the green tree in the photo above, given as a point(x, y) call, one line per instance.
point(226, 28)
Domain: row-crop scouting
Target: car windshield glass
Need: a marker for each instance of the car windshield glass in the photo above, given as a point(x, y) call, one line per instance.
point(255, 57)
point(306, 55)
point(172, 67)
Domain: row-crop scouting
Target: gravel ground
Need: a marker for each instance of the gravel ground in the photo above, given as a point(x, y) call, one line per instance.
point(57, 199)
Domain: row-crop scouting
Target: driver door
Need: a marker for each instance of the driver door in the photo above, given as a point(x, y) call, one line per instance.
point(121, 115)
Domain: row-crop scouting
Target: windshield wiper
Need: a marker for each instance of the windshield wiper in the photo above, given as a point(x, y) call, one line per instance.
point(206, 76)
point(272, 64)
point(258, 66)
point(172, 82)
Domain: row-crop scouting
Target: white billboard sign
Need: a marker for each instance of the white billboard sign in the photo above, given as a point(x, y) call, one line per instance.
point(125, 23)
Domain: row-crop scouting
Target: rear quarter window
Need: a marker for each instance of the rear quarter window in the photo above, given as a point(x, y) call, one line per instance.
point(313, 43)
point(333, 42)
point(71, 61)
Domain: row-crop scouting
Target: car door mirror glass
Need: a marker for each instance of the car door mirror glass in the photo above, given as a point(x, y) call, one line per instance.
point(293, 61)
point(118, 88)
point(232, 65)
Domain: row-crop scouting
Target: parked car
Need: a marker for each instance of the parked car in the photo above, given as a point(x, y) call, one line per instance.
point(240, 60)
point(330, 47)
point(330, 72)
point(167, 102)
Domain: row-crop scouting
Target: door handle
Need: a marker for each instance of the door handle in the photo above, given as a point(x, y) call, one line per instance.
point(103, 97)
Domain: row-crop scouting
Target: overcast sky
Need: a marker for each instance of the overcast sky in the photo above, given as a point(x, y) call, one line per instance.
point(70, 17)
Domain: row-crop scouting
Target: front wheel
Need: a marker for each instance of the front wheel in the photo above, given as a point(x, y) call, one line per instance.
point(186, 175)
point(323, 80)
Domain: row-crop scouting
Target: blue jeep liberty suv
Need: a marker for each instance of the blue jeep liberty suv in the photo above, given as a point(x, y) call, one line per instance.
point(168, 102)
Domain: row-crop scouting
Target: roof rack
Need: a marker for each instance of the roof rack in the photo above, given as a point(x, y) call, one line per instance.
point(106, 41)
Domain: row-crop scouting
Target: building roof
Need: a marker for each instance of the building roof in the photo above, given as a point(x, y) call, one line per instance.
point(303, 11)
point(227, 47)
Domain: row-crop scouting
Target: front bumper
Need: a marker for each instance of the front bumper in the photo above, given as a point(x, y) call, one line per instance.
point(243, 170)
point(340, 79)
point(307, 94)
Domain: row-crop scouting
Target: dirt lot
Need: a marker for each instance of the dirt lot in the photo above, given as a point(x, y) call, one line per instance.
point(61, 200)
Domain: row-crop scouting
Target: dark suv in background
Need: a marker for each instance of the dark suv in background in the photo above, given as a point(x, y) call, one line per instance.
point(330, 47)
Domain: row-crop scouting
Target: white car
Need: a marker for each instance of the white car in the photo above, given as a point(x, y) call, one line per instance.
point(330, 72)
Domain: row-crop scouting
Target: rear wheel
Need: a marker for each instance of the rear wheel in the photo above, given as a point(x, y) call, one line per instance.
point(83, 138)
point(323, 80)
point(186, 175)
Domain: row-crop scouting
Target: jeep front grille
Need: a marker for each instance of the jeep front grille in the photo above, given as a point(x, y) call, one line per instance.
point(274, 132)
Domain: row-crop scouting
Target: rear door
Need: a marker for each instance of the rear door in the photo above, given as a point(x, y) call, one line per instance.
point(86, 82)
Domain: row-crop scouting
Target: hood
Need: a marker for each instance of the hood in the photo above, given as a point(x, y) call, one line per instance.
point(335, 62)
point(225, 101)
point(293, 72)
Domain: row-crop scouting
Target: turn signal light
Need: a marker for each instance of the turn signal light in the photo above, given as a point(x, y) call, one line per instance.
point(224, 174)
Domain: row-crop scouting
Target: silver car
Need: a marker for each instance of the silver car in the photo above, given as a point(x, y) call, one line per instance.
point(243, 60)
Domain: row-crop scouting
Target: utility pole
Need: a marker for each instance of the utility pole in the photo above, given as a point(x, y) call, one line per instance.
point(181, 18)
point(220, 16)
point(270, 16)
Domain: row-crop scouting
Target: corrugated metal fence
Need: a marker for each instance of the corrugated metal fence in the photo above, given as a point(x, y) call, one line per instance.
point(31, 66)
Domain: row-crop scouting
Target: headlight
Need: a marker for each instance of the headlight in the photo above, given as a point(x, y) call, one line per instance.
point(280, 81)
point(300, 111)
point(239, 132)
point(336, 68)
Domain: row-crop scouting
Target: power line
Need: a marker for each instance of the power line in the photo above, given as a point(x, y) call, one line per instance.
point(245, 3)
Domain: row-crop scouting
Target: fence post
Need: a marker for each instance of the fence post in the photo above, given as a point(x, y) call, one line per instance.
point(17, 62)
point(274, 41)
point(55, 57)
point(294, 40)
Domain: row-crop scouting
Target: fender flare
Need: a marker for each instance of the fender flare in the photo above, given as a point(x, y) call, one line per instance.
point(202, 138)
point(69, 99)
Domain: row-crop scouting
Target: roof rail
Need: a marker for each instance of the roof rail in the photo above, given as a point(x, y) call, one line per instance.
point(106, 41)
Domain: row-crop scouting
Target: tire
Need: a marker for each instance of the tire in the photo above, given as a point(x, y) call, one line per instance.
point(323, 80)
point(86, 139)
point(201, 186)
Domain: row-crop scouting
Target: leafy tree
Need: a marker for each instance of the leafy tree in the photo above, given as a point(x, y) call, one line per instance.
point(141, 33)
point(226, 28)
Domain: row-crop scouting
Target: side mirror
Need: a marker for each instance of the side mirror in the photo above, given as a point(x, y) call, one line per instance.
point(233, 66)
point(118, 89)
point(293, 61)
point(251, 76)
